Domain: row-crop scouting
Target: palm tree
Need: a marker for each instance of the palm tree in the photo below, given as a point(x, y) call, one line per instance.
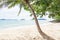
point(24, 3)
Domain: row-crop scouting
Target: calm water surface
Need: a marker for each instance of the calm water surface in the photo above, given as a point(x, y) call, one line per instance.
point(13, 22)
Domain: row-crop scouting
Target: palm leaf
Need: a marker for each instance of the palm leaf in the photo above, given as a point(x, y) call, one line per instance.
point(20, 9)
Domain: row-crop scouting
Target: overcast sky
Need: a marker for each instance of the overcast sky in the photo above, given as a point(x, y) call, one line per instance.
point(12, 13)
point(6, 13)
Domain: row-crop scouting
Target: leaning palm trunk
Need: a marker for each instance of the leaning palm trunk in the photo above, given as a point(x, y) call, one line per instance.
point(37, 24)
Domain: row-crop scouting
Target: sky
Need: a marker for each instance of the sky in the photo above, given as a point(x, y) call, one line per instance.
point(12, 13)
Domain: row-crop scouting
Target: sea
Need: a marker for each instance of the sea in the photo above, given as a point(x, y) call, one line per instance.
point(8, 23)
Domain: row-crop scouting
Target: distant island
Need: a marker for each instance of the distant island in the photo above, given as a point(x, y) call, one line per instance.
point(2, 19)
point(41, 19)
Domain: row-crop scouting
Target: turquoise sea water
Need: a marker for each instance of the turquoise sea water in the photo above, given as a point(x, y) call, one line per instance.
point(14, 22)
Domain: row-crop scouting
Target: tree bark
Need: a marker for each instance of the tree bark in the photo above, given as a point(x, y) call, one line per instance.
point(37, 24)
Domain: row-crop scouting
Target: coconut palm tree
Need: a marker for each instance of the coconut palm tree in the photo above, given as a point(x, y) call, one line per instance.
point(26, 3)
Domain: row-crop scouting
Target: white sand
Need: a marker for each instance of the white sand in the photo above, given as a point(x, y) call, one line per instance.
point(30, 32)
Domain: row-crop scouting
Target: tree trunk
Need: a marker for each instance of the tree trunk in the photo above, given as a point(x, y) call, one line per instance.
point(37, 24)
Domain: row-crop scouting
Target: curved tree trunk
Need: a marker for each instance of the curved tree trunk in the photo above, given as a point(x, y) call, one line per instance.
point(37, 24)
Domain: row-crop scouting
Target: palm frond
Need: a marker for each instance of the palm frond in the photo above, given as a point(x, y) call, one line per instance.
point(20, 9)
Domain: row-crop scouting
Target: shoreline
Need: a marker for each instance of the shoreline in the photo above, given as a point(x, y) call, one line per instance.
point(30, 32)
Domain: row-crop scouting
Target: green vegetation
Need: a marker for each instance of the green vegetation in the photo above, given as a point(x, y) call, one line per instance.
point(57, 18)
point(38, 8)
point(42, 6)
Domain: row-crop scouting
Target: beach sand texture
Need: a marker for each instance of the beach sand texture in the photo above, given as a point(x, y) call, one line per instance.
point(30, 32)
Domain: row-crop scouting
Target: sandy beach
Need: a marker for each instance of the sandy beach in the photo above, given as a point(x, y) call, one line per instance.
point(30, 32)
